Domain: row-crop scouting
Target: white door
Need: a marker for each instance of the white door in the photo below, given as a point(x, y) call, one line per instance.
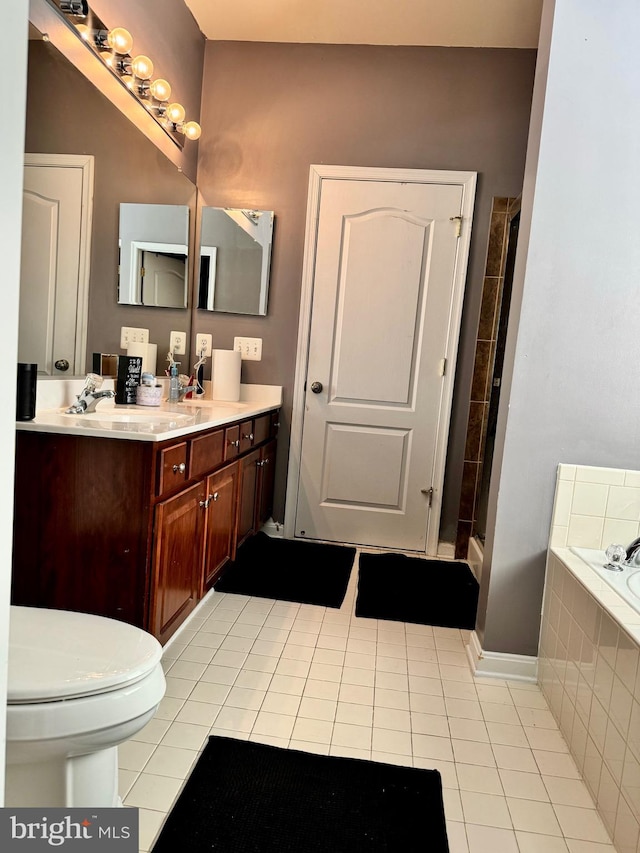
point(164, 279)
point(387, 279)
point(56, 223)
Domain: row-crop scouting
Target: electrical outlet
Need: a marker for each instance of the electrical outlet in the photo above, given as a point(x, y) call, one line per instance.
point(178, 343)
point(203, 344)
point(250, 349)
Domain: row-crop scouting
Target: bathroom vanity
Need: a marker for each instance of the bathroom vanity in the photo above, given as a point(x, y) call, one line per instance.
point(134, 518)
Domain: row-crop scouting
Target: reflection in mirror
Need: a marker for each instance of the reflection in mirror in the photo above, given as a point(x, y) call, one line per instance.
point(67, 114)
point(153, 255)
point(235, 259)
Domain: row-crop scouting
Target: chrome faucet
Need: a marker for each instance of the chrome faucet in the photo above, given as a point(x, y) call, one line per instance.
point(184, 389)
point(90, 396)
point(633, 553)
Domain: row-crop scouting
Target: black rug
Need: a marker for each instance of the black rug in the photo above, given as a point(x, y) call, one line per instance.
point(414, 589)
point(245, 797)
point(290, 570)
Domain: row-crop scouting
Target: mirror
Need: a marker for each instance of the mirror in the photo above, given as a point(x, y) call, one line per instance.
point(235, 260)
point(66, 114)
point(154, 246)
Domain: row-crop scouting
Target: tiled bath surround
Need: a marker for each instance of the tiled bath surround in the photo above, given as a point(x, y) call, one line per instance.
point(589, 659)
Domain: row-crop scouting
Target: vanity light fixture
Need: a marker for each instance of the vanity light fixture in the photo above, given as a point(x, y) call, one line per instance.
point(114, 47)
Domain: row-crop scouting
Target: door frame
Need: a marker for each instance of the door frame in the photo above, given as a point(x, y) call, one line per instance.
point(318, 173)
point(85, 162)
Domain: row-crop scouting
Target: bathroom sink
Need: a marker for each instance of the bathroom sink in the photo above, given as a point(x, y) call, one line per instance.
point(132, 417)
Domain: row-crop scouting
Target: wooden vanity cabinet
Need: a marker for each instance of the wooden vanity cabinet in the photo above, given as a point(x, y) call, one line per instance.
point(177, 560)
point(220, 536)
point(135, 530)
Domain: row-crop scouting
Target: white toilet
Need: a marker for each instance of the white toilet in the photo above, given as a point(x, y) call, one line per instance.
point(78, 686)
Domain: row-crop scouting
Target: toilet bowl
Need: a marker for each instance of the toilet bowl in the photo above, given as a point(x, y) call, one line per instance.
point(78, 685)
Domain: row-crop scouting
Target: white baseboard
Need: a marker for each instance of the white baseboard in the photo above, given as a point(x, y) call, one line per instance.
point(273, 528)
point(446, 550)
point(499, 665)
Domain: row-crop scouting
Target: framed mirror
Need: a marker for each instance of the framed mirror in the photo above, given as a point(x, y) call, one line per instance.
point(235, 260)
point(153, 243)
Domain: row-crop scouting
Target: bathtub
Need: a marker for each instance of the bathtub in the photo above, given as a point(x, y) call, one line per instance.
point(626, 583)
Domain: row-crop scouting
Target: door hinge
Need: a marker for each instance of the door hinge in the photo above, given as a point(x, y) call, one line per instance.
point(429, 494)
point(458, 221)
point(443, 366)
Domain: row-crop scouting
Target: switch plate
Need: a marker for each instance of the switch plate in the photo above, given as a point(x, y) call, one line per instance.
point(203, 344)
point(249, 348)
point(131, 335)
point(178, 343)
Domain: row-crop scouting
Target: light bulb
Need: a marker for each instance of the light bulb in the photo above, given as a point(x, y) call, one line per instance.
point(192, 129)
point(142, 67)
point(128, 81)
point(120, 40)
point(107, 57)
point(161, 90)
point(175, 113)
point(84, 31)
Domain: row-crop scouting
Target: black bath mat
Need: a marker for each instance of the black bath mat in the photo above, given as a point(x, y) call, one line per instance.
point(290, 570)
point(414, 589)
point(245, 797)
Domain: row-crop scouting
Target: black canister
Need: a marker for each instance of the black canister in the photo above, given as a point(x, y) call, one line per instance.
point(26, 392)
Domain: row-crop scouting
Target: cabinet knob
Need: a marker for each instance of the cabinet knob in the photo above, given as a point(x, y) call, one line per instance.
point(204, 504)
point(215, 496)
point(235, 443)
point(260, 463)
point(179, 469)
point(249, 436)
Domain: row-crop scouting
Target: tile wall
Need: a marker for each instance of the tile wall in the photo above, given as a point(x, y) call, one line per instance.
point(501, 214)
point(589, 664)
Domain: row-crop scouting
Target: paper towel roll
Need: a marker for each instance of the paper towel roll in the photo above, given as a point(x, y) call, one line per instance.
point(225, 374)
point(149, 353)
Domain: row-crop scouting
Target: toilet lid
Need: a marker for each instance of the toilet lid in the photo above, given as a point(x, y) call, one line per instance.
point(57, 654)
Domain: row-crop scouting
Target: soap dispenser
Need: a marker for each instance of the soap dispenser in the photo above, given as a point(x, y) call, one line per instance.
point(174, 382)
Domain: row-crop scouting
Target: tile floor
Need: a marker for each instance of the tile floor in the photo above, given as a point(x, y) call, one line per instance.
point(322, 680)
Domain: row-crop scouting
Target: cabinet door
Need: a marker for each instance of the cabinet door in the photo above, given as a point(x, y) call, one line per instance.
point(222, 496)
point(266, 480)
point(247, 495)
point(178, 555)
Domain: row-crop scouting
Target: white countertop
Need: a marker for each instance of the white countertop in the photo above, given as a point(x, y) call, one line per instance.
point(152, 423)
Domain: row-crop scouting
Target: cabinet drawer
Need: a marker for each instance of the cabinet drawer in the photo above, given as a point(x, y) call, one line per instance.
point(246, 436)
point(261, 428)
point(231, 442)
point(207, 453)
point(172, 470)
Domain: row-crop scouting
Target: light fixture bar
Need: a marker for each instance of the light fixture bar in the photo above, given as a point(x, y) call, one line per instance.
point(114, 47)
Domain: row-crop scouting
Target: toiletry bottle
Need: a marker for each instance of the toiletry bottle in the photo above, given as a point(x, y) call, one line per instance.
point(174, 383)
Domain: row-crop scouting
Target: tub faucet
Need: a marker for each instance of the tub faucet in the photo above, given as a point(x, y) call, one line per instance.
point(90, 396)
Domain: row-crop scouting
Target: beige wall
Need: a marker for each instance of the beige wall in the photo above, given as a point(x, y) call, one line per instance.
point(271, 110)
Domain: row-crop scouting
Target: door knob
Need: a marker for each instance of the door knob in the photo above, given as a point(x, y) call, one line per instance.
point(316, 387)
point(61, 364)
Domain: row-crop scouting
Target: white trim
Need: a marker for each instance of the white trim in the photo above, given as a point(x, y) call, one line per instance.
point(446, 550)
point(498, 665)
point(318, 173)
point(138, 246)
point(85, 162)
point(475, 556)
